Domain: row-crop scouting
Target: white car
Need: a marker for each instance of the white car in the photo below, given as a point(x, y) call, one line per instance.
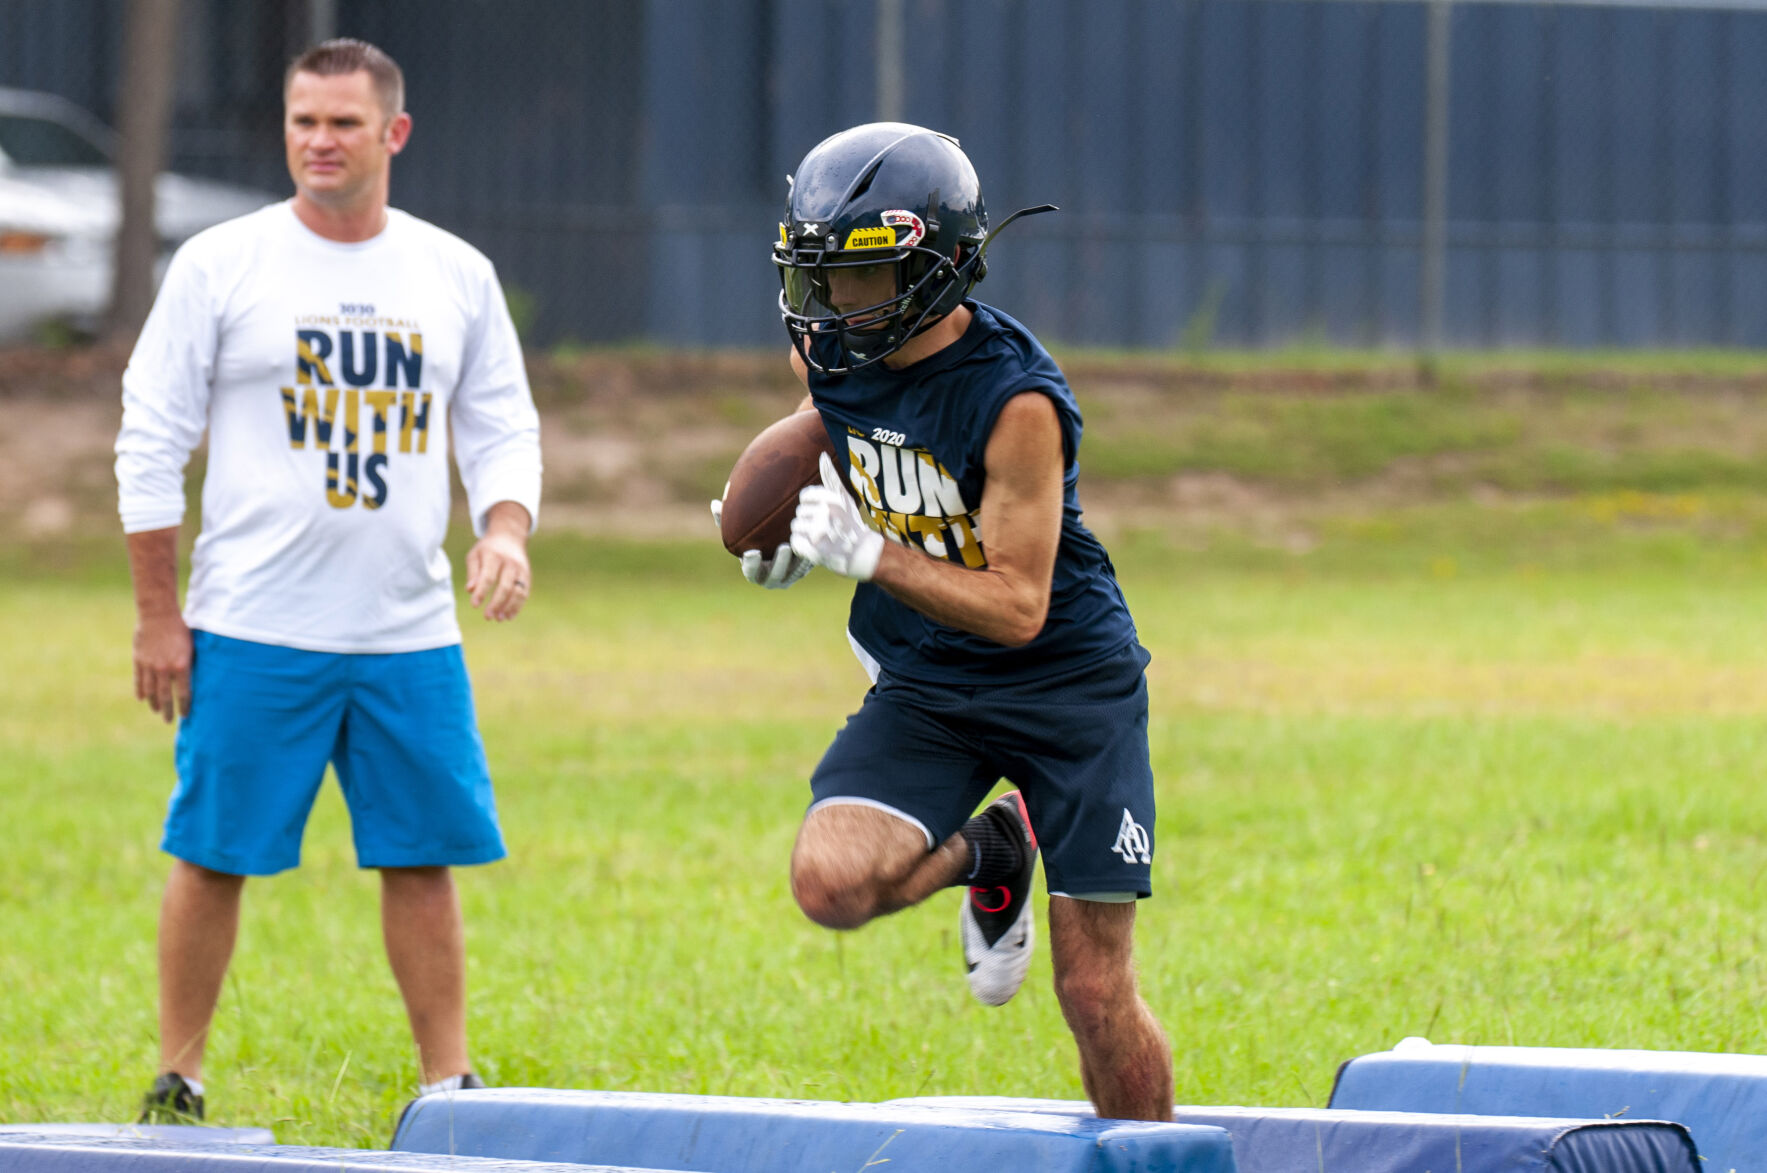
point(59, 212)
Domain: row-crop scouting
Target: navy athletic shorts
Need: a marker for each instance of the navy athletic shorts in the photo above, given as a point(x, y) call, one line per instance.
point(1076, 745)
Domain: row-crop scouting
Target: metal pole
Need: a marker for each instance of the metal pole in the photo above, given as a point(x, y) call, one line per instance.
point(889, 60)
point(1433, 263)
point(321, 20)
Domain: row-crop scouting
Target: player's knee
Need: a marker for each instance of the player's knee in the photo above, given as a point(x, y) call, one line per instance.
point(828, 900)
point(1093, 997)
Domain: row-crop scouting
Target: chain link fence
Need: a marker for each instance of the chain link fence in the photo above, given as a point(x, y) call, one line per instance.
point(1231, 172)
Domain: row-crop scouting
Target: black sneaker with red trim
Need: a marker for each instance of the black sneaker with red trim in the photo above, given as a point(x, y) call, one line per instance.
point(996, 921)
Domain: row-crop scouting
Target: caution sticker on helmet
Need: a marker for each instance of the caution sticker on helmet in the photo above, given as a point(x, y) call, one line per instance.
point(899, 218)
point(871, 238)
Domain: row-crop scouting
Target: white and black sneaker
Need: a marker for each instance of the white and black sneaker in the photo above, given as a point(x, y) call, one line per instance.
point(470, 1081)
point(998, 928)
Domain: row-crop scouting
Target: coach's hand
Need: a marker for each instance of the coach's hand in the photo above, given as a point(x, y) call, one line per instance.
point(162, 664)
point(775, 573)
point(497, 573)
point(829, 530)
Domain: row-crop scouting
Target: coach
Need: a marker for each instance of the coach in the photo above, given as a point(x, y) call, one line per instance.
point(329, 344)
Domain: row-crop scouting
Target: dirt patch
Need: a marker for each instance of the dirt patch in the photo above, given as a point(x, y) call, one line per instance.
point(636, 441)
point(55, 464)
point(634, 445)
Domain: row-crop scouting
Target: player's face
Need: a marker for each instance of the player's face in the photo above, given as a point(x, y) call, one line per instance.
point(857, 287)
point(339, 138)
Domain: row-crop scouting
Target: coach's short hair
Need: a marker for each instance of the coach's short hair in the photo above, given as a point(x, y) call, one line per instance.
point(343, 55)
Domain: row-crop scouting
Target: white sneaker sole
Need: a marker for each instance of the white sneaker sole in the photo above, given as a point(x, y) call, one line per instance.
point(997, 972)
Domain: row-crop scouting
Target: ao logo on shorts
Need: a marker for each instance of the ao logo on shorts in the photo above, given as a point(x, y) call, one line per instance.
point(1132, 841)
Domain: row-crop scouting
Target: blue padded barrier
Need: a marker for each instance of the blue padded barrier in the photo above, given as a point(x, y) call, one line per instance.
point(733, 1135)
point(194, 1133)
point(65, 1152)
point(1722, 1099)
point(1312, 1140)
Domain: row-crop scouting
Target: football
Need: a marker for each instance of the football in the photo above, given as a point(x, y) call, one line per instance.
point(763, 493)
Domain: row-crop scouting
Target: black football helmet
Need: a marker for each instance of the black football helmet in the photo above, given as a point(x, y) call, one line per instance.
point(885, 194)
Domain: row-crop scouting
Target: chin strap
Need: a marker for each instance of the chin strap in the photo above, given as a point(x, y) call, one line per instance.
point(802, 347)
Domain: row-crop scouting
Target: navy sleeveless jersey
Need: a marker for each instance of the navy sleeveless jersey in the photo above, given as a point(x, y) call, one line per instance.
point(914, 440)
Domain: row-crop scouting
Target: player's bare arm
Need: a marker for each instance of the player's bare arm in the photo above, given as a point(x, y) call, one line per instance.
point(162, 641)
point(1008, 600)
point(498, 576)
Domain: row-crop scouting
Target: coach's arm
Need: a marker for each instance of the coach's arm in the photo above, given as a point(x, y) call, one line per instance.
point(162, 640)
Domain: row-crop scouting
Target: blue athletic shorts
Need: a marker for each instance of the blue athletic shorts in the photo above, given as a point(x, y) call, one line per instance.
point(1076, 745)
point(264, 721)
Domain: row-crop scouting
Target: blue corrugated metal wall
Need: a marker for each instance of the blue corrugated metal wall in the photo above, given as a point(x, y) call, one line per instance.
point(1242, 171)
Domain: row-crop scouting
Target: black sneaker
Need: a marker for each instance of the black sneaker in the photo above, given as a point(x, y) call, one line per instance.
point(468, 1082)
point(998, 928)
point(170, 1101)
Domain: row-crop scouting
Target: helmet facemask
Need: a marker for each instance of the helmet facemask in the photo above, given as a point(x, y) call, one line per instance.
point(921, 287)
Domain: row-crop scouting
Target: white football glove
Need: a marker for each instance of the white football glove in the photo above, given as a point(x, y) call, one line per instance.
point(829, 530)
point(775, 573)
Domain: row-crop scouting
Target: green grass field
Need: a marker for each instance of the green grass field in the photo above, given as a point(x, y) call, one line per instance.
point(1486, 773)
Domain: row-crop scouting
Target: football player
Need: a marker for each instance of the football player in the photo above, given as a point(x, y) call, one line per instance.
point(987, 615)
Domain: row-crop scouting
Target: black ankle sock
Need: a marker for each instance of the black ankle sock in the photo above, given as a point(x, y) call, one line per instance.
point(994, 855)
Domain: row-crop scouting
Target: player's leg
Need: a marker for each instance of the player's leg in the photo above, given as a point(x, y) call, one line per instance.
point(412, 768)
point(853, 863)
point(1079, 749)
point(889, 799)
point(199, 922)
point(1125, 1060)
point(426, 946)
point(250, 755)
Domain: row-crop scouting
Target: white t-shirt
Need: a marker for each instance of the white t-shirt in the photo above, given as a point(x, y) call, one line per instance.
point(329, 377)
